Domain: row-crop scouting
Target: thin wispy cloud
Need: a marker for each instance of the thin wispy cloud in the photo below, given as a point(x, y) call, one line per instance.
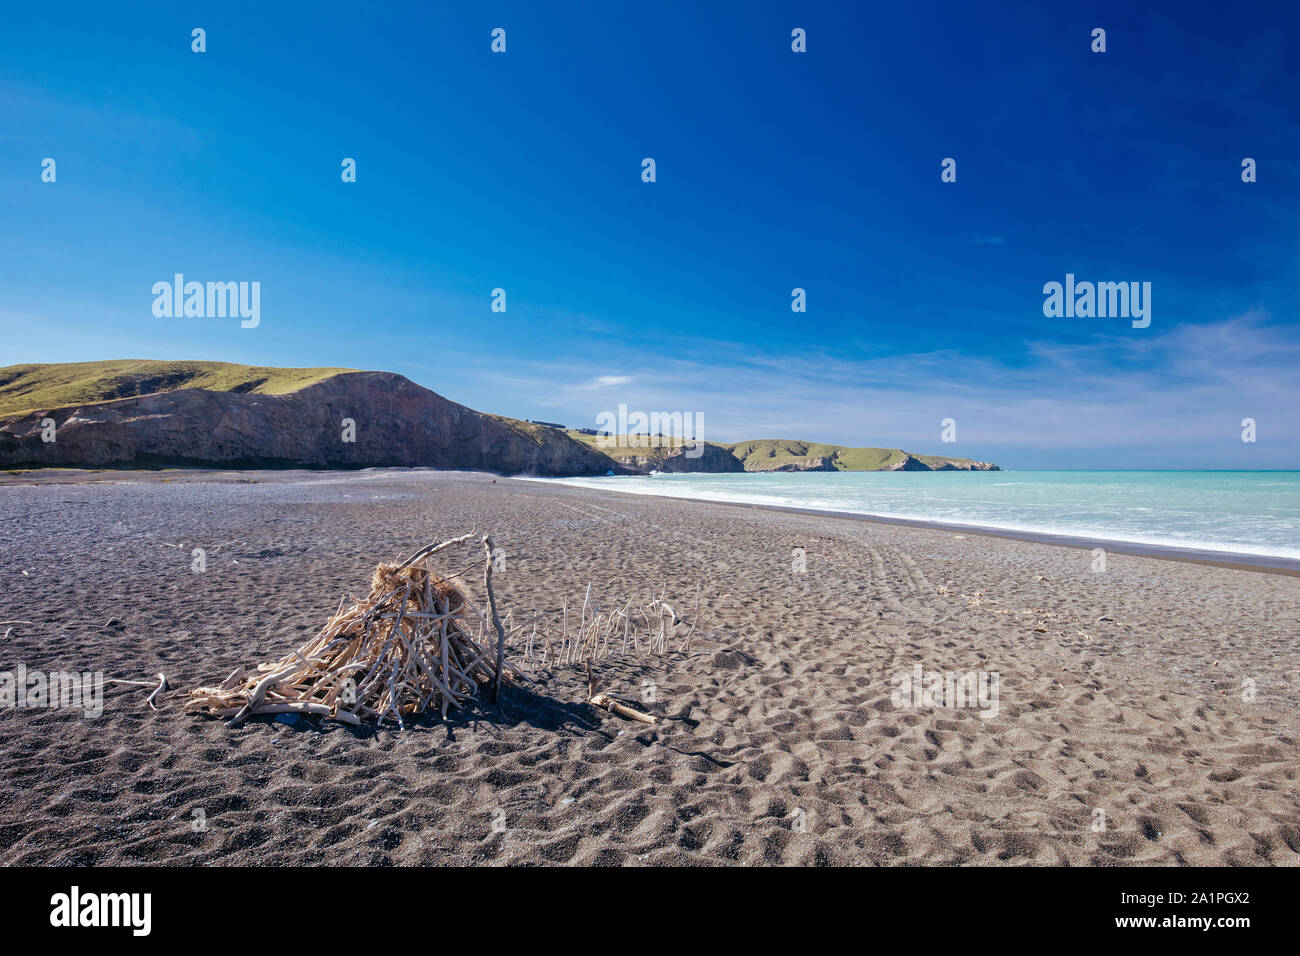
point(1111, 393)
point(607, 381)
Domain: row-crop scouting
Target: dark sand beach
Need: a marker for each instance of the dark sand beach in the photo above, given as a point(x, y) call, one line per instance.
point(1119, 692)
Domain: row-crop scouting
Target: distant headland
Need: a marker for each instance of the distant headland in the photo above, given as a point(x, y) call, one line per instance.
point(145, 413)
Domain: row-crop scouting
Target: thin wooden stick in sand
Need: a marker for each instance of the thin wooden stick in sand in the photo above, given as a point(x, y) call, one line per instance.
point(432, 549)
point(492, 606)
point(162, 686)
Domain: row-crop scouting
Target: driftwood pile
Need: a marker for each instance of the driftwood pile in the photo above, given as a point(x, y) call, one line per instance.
point(407, 646)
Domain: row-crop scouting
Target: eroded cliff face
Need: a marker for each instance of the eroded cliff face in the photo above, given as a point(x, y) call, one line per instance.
point(909, 463)
point(966, 466)
point(958, 464)
point(396, 423)
point(713, 459)
point(913, 463)
point(819, 463)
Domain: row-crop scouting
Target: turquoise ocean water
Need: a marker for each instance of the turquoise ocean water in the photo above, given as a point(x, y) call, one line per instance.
point(1241, 512)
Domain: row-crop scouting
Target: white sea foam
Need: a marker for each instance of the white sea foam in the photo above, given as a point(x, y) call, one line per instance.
point(1247, 513)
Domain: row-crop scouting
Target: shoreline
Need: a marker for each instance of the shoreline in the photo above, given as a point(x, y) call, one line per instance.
point(1233, 560)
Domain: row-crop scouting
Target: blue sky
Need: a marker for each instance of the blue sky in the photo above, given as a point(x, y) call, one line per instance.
point(775, 170)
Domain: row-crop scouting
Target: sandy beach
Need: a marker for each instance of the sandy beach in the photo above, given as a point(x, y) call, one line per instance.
point(1159, 697)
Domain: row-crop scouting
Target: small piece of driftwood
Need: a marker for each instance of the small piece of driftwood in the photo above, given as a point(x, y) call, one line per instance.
point(162, 686)
point(613, 704)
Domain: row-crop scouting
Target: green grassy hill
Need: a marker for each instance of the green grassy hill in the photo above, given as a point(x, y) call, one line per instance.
point(768, 453)
point(657, 444)
point(772, 451)
point(25, 388)
point(42, 388)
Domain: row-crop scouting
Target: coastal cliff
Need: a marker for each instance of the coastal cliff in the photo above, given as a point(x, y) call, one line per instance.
point(779, 454)
point(138, 413)
point(819, 463)
point(712, 459)
point(346, 420)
